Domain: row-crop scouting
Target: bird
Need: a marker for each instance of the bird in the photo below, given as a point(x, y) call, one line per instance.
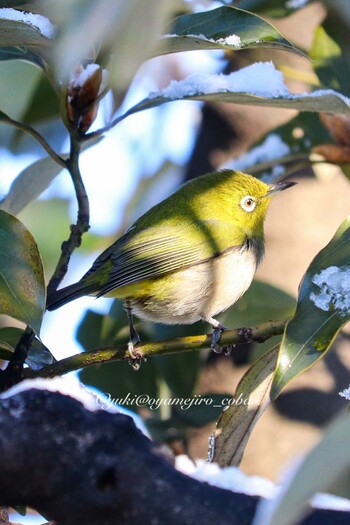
point(188, 258)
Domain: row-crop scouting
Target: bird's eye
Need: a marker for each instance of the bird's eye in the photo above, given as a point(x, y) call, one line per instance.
point(248, 203)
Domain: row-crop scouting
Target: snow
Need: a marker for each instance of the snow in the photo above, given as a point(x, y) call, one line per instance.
point(345, 393)
point(92, 399)
point(41, 23)
point(334, 286)
point(230, 40)
point(271, 148)
point(230, 478)
point(81, 77)
point(261, 79)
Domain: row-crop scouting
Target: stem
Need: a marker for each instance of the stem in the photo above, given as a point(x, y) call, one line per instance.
point(82, 224)
point(14, 370)
point(258, 334)
point(33, 133)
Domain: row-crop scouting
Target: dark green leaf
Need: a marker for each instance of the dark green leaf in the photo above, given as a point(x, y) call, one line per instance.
point(323, 308)
point(273, 8)
point(38, 356)
point(224, 27)
point(22, 287)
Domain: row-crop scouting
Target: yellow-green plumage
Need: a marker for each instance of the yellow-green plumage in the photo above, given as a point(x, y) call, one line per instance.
point(189, 257)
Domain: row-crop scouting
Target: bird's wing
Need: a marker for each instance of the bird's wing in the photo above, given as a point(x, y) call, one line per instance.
point(154, 252)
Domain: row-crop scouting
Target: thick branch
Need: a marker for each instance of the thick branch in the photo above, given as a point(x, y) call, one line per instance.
point(184, 344)
point(97, 467)
point(82, 224)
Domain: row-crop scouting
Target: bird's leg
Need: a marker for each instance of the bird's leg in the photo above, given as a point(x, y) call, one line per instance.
point(136, 356)
point(218, 328)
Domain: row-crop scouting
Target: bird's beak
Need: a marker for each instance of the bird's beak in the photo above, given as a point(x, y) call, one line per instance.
point(280, 186)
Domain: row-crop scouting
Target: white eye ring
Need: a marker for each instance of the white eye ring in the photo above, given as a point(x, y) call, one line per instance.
point(248, 203)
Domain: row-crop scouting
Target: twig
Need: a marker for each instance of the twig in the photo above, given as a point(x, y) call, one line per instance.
point(82, 224)
point(33, 133)
point(184, 344)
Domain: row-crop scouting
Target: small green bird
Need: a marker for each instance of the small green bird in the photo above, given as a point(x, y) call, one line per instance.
point(188, 258)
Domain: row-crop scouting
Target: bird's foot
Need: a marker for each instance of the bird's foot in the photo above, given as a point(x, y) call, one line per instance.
point(136, 355)
point(215, 338)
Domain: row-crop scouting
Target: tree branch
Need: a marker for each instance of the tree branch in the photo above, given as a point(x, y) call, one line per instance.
point(258, 334)
point(97, 467)
point(82, 224)
point(33, 133)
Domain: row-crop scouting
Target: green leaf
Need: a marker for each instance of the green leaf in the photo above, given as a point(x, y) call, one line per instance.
point(248, 404)
point(224, 27)
point(273, 8)
point(38, 356)
point(22, 287)
point(206, 88)
point(323, 308)
point(18, 33)
point(331, 66)
point(21, 53)
point(324, 465)
point(29, 184)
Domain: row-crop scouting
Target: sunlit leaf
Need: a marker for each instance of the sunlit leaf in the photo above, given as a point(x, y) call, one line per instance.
point(227, 88)
point(22, 287)
point(323, 308)
point(249, 402)
point(317, 473)
point(224, 27)
point(29, 184)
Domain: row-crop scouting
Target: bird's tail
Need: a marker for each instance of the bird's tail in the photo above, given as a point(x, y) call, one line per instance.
point(68, 294)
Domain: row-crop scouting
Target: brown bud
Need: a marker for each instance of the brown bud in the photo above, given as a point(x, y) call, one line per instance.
point(83, 95)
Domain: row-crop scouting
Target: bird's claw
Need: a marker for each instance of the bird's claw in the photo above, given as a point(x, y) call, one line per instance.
point(215, 338)
point(136, 355)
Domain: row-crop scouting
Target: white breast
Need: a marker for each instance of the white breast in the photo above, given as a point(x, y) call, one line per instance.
point(231, 275)
point(201, 291)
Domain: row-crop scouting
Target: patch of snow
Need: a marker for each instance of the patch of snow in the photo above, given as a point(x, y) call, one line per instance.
point(80, 78)
point(345, 393)
point(231, 40)
point(334, 289)
point(91, 398)
point(41, 23)
point(230, 478)
point(261, 79)
point(271, 148)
